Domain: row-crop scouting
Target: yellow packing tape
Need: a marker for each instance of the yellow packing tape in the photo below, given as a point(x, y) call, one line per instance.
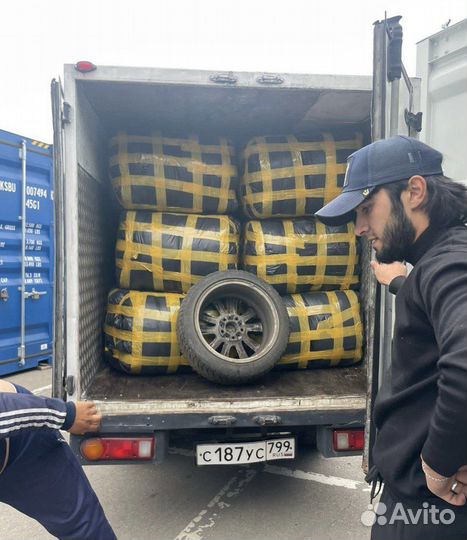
point(323, 321)
point(264, 186)
point(143, 310)
point(332, 252)
point(145, 167)
point(154, 257)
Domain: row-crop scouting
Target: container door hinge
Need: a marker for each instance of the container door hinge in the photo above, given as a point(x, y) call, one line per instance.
point(413, 120)
point(70, 385)
point(66, 113)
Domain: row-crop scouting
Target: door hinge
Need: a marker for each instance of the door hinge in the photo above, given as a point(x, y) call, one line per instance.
point(394, 50)
point(66, 113)
point(413, 120)
point(70, 385)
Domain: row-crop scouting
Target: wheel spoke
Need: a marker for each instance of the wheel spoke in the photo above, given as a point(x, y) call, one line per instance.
point(251, 343)
point(249, 314)
point(226, 348)
point(216, 342)
point(232, 305)
point(241, 350)
point(207, 330)
point(254, 327)
point(208, 318)
point(220, 307)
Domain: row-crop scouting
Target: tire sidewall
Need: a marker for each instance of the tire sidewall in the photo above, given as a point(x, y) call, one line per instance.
point(198, 352)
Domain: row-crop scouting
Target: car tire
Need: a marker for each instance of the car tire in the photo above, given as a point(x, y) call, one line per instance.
point(232, 327)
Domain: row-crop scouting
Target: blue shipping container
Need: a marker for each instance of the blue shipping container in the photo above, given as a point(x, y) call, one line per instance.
point(26, 253)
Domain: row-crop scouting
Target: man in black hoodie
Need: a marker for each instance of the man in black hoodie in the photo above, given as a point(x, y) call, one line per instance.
point(402, 203)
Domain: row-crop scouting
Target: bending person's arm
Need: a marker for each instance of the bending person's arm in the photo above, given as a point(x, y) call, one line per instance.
point(24, 411)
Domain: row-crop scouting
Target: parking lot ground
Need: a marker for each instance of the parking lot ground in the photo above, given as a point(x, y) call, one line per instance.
point(310, 497)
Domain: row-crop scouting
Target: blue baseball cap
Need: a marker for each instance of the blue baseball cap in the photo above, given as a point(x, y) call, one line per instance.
point(379, 163)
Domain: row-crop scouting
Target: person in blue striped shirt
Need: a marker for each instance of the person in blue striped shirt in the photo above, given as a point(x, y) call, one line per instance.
point(39, 474)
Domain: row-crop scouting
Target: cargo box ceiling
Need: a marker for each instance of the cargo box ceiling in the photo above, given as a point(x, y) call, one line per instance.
point(239, 112)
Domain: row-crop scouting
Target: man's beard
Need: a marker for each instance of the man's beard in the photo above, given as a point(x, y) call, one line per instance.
point(398, 237)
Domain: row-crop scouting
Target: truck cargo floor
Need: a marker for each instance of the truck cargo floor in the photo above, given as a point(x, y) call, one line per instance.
point(110, 385)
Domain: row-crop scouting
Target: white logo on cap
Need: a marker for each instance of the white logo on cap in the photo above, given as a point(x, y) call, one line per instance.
point(346, 178)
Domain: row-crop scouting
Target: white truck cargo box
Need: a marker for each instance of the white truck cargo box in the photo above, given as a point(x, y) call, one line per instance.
point(90, 109)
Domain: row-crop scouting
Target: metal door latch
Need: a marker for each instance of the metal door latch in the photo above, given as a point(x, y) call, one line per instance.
point(34, 295)
point(4, 295)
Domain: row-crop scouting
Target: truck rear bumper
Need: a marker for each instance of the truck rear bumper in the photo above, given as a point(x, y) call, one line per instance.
point(195, 410)
point(266, 418)
point(300, 427)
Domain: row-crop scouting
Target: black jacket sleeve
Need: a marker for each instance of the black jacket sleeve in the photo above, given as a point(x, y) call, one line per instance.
point(396, 284)
point(444, 290)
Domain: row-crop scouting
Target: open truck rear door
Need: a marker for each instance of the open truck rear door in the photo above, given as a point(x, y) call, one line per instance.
point(394, 112)
point(60, 118)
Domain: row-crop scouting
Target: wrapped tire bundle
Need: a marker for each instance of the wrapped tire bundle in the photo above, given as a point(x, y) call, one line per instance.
point(300, 255)
point(140, 332)
point(171, 252)
point(294, 176)
point(163, 174)
point(326, 330)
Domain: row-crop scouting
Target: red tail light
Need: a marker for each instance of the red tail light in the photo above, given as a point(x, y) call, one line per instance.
point(118, 448)
point(348, 439)
point(85, 67)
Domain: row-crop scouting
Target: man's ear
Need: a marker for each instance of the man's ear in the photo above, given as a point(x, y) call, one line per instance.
point(417, 192)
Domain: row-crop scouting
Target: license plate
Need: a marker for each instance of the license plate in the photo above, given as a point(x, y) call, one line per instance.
point(247, 452)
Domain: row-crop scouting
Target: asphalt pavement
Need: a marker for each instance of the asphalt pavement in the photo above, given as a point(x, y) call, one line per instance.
point(310, 497)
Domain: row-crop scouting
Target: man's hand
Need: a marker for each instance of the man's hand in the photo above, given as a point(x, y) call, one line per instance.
point(452, 490)
point(385, 273)
point(88, 418)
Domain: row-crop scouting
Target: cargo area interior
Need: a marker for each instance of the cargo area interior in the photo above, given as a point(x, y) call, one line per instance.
point(176, 109)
